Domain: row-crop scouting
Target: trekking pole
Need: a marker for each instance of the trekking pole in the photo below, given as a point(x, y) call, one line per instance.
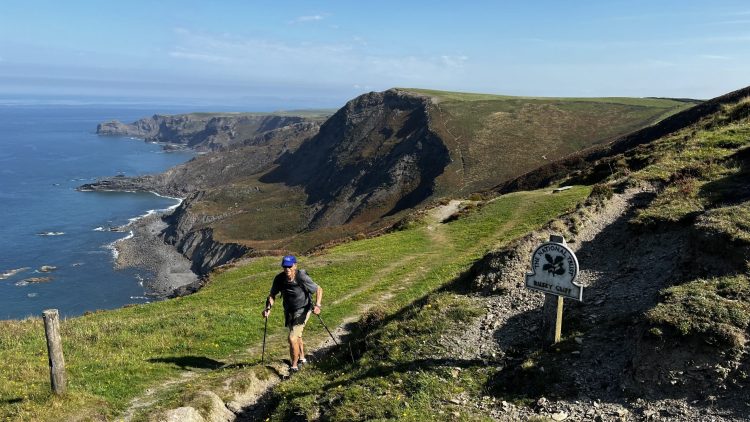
point(263, 356)
point(329, 331)
point(334, 340)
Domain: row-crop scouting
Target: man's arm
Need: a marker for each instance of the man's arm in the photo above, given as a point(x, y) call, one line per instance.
point(270, 299)
point(318, 300)
point(267, 309)
point(310, 286)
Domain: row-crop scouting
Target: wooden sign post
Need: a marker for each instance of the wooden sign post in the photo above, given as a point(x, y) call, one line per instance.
point(54, 349)
point(554, 270)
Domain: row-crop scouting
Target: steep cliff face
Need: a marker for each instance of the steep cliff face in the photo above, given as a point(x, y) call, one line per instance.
point(190, 234)
point(202, 132)
point(376, 156)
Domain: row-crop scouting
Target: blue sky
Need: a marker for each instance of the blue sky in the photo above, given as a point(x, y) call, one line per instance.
point(280, 54)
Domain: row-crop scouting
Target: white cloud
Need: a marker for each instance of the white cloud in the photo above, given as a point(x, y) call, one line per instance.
point(210, 58)
point(714, 57)
point(454, 61)
point(730, 22)
point(344, 64)
point(309, 18)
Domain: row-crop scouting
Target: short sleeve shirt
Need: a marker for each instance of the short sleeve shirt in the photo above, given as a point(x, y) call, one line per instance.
point(293, 292)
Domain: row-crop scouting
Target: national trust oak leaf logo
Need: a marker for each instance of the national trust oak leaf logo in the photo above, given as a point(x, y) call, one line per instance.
point(554, 265)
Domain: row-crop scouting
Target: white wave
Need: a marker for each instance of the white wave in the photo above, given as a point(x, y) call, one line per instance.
point(140, 217)
point(11, 273)
point(138, 297)
point(157, 211)
point(113, 246)
point(113, 249)
point(31, 295)
point(99, 229)
point(50, 233)
point(173, 207)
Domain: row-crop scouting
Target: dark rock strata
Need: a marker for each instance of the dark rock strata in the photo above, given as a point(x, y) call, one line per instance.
point(188, 232)
point(376, 156)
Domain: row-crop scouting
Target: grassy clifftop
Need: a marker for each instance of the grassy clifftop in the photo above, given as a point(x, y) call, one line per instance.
point(496, 137)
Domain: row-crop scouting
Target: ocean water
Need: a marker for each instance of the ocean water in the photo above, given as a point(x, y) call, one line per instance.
point(45, 153)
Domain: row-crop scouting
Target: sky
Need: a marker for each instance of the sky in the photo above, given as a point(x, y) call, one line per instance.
point(269, 55)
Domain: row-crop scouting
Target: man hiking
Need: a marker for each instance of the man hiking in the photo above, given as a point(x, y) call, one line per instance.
point(296, 288)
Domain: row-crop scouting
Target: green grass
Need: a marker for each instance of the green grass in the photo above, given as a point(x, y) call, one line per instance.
point(114, 356)
point(700, 174)
point(526, 132)
point(468, 96)
point(697, 170)
point(716, 310)
point(731, 221)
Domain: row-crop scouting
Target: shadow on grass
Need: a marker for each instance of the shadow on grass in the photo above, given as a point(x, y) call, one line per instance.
point(190, 362)
point(11, 401)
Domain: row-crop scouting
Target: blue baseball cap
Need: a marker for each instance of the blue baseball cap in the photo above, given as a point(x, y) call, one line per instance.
point(288, 261)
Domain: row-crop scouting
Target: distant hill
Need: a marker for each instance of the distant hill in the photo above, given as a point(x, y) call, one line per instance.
point(379, 156)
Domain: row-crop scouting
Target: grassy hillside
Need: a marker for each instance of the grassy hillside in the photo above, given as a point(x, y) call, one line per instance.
point(114, 356)
point(701, 175)
point(691, 346)
point(322, 195)
point(499, 137)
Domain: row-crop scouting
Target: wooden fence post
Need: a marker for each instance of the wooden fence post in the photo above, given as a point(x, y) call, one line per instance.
point(54, 349)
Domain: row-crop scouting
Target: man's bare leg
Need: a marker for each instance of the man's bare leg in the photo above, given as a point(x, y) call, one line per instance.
point(294, 350)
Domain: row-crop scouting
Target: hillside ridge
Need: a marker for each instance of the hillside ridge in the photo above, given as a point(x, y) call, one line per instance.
point(363, 169)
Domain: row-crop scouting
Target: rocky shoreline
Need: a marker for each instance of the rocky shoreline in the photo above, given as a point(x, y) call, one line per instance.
point(145, 249)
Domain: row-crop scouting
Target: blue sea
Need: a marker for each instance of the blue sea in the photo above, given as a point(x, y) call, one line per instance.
point(45, 153)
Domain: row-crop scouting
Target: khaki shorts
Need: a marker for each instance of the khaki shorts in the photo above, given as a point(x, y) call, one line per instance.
point(298, 324)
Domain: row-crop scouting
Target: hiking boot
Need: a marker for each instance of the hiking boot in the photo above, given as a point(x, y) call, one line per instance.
point(301, 361)
point(293, 370)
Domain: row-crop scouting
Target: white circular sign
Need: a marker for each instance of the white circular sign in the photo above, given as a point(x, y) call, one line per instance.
point(554, 270)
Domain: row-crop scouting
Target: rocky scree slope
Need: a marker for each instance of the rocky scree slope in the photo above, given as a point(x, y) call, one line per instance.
point(662, 333)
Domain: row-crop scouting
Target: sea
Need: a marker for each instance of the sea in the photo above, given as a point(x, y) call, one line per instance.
point(56, 242)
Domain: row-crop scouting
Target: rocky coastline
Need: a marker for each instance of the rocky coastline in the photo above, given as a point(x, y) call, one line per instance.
point(145, 249)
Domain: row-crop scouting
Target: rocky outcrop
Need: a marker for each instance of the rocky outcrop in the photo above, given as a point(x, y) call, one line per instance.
point(188, 232)
point(202, 132)
point(376, 156)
